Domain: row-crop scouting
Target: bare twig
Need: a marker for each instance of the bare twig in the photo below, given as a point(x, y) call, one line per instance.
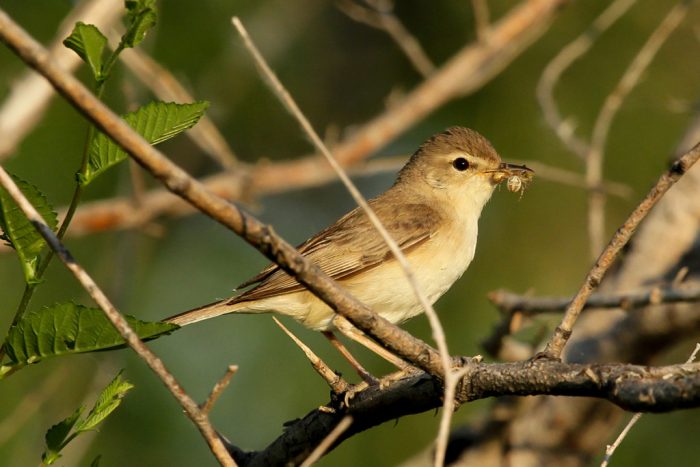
point(510, 302)
point(336, 382)
point(218, 389)
point(328, 441)
point(30, 94)
point(563, 332)
point(610, 449)
point(438, 332)
point(131, 338)
point(481, 19)
point(289, 103)
point(564, 129)
point(568, 177)
point(612, 104)
point(381, 16)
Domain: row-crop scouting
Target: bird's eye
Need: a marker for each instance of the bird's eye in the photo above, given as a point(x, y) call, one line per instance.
point(460, 164)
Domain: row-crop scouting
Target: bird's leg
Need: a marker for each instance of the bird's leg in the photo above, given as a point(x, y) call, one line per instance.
point(350, 331)
point(364, 374)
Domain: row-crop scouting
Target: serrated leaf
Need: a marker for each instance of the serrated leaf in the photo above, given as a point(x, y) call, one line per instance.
point(57, 436)
point(141, 16)
point(89, 43)
point(67, 328)
point(19, 232)
point(108, 400)
point(156, 122)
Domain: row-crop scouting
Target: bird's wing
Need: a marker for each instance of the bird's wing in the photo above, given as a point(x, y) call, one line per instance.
point(341, 253)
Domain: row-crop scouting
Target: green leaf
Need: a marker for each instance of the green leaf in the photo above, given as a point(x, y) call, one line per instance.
point(19, 232)
point(141, 16)
point(67, 328)
point(57, 437)
point(89, 43)
point(65, 431)
point(96, 461)
point(108, 400)
point(156, 122)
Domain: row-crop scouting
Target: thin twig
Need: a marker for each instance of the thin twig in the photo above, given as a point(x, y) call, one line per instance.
point(218, 389)
point(336, 382)
point(552, 73)
point(510, 302)
point(328, 441)
point(131, 338)
point(289, 103)
point(437, 330)
point(481, 19)
point(562, 333)
point(610, 449)
point(381, 17)
point(568, 177)
point(612, 104)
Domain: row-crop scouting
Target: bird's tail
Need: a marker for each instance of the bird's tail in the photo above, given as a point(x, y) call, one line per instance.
point(201, 313)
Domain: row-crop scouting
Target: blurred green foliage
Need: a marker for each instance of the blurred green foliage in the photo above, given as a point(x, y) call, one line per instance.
point(341, 73)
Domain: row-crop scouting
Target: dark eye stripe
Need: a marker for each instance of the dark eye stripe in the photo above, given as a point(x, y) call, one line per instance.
point(460, 164)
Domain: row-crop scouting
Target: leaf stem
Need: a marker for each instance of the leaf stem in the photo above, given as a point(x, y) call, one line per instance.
point(30, 288)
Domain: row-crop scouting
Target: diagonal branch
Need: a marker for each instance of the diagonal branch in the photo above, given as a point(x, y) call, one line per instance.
point(179, 182)
point(198, 417)
point(563, 332)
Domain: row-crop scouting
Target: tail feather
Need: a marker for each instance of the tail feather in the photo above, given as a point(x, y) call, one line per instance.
point(201, 313)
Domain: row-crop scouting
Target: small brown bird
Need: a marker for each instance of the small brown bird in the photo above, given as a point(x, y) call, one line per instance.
point(431, 211)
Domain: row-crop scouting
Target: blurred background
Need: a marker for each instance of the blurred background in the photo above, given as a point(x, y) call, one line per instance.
point(342, 73)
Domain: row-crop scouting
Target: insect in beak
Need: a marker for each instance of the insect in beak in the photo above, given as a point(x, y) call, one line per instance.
point(518, 176)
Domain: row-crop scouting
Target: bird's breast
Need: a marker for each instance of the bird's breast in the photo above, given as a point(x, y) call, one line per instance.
point(436, 265)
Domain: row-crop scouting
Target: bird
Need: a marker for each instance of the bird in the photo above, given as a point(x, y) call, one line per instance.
point(431, 211)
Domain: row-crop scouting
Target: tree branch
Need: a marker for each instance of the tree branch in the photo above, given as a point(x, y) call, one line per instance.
point(632, 387)
point(179, 182)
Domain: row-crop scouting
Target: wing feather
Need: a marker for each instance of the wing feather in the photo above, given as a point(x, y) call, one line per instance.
point(340, 253)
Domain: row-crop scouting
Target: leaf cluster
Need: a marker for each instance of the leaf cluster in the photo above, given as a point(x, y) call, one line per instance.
point(67, 328)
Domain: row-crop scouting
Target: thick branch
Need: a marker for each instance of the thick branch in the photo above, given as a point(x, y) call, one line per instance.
point(632, 387)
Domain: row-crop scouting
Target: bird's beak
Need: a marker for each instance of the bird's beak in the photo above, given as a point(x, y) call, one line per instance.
point(506, 170)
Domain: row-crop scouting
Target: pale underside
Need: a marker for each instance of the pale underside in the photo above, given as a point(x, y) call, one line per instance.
point(438, 257)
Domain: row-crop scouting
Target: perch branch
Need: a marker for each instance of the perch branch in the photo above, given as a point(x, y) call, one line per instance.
point(632, 387)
